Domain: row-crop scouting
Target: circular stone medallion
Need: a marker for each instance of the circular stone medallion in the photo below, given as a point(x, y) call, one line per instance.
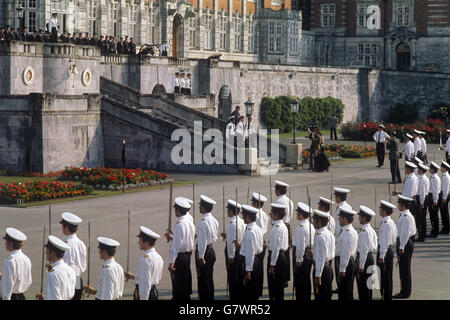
point(86, 77)
point(28, 75)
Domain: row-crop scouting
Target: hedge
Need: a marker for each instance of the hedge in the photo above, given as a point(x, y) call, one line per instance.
point(276, 112)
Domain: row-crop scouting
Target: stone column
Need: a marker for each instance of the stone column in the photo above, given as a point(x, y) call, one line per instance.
point(122, 20)
point(142, 23)
point(216, 29)
point(413, 54)
point(389, 54)
point(244, 26)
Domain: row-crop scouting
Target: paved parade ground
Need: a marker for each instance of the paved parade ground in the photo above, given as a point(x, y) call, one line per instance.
point(108, 216)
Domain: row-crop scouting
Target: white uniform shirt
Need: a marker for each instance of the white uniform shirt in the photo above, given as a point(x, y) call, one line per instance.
point(262, 220)
point(387, 235)
point(60, 282)
point(208, 228)
point(435, 187)
point(187, 83)
point(338, 228)
point(346, 246)
point(424, 187)
point(411, 186)
point(380, 136)
point(406, 227)
point(110, 281)
point(75, 257)
point(183, 237)
point(424, 145)
point(182, 82)
point(447, 145)
point(251, 245)
point(278, 240)
point(367, 242)
point(230, 130)
point(284, 200)
point(53, 23)
point(16, 274)
point(164, 47)
point(409, 150)
point(175, 82)
point(331, 224)
point(240, 129)
point(417, 145)
point(149, 272)
point(324, 249)
point(302, 239)
point(231, 235)
point(445, 185)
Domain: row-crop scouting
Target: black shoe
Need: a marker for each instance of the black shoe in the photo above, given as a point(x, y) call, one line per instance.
point(399, 296)
point(444, 232)
point(420, 240)
point(335, 291)
point(378, 166)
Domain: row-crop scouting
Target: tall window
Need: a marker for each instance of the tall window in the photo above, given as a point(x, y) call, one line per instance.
point(132, 19)
point(403, 14)
point(252, 35)
point(209, 36)
point(275, 30)
point(362, 15)
point(113, 12)
point(92, 16)
point(328, 15)
point(223, 32)
point(237, 34)
point(192, 24)
point(367, 54)
point(293, 37)
point(21, 3)
point(151, 25)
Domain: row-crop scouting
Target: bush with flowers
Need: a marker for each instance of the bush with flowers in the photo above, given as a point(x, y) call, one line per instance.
point(31, 191)
point(335, 151)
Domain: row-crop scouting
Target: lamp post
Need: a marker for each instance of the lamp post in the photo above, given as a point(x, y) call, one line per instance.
point(20, 16)
point(249, 105)
point(294, 110)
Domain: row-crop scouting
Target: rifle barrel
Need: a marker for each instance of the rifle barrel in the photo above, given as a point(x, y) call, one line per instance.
point(43, 261)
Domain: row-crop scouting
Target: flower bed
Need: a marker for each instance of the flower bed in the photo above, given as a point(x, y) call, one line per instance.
point(40, 190)
point(337, 151)
point(109, 178)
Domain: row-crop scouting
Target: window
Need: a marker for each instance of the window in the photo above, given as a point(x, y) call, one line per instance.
point(112, 11)
point(362, 15)
point(192, 32)
point(223, 33)
point(367, 54)
point(252, 36)
point(31, 4)
point(209, 36)
point(237, 34)
point(31, 21)
point(151, 26)
point(21, 3)
point(92, 15)
point(59, 6)
point(328, 15)
point(132, 19)
point(403, 15)
point(293, 37)
point(275, 30)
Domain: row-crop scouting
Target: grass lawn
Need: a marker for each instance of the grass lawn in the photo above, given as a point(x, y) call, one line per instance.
point(302, 134)
point(95, 194)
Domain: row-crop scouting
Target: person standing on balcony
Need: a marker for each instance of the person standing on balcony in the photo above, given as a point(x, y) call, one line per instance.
point(188, 85)
point(164, 49)
point(53, 27)
point(176, 83)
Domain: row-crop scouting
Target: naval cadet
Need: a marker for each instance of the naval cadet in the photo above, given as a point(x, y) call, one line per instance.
point(277, 263)
point(406, 227)
point(445, 189)
point(16, 271)
point(367, 244)
point(302, 244)
point(346, 245)
point(75, 257)
point(421, 202)
point(387, 235)
point(409, 148)
point(111, 279)
point(325, 206)
point(323, 254)
point(232, 249)
point(250, 248)
point(181, 248)
point(61, 279)
point(208, 228)
point(150, 267)
point(434, 199)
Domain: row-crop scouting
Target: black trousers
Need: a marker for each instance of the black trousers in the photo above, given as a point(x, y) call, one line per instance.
point(78, 292)
point(182, 277)
point(251, 289)
point(395, 171)
point(188, 91)
point(260, 257)
point(277, 280)
point(380, 153)
point(345, 290)
point(364, 291)
point(444, 216)
point(421, 218)
point(404, 265)
point(333, 132)
point(176, 90)
point(152, 296)
point(324, 291)
point(302, 278)
point(164, 53)
point(434, 215)
point(235, 286)
point(336, 269)
point(17, 296)
point(386, 270)
point(205, 272)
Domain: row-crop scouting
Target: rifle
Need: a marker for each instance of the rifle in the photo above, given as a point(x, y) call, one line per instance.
point(270, 181)
point(49, 219)
point(193, 202)
point(237, 216)
point(43, 262)
point(223, 213)
point(169, 228)
point(89, 255)
point(128, 242)
point(248, 193)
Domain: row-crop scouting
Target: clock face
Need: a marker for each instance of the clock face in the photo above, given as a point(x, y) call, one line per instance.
point(86, 77)
point(28, 75)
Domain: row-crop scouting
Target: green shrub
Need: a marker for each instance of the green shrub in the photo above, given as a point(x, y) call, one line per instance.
point(439, 111)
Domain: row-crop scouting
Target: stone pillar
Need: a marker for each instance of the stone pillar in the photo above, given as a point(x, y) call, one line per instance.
point(389, 54)
point(294, 154)
point(142, 23)
point(413, 54)
point(122, 20)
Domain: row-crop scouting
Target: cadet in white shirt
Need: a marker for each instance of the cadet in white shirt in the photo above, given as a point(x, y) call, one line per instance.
point(188, 215)
point(181, 248)
point(406, 227)
point(251, 247)
point(150, 267)
point(302, 245)
point(208, 228)
point(424, 146)
point(183, 83)
point(380, 138)
point(385, 256)
point(323, 253)
point(232, 256)
point(417, 145)
point(240, 132)
point(411, 185)
point(434, 199)
point(230, 130)
point(325, 206)
point(16, 271)
point(61, 279)
point(445, 189)
point(277, 263)
point(447, 146)
point(409, 148)
point(346, 245)
point(367, 244)
point(53, 27)
point(164, 50)
point(422, 202)
point(111, 279)
point(176, 83)
point(188, 86)
point(75, 257)
point(262, 220)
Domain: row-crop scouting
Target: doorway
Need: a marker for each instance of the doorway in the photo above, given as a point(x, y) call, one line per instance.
point(403, 57)
point(176, 36)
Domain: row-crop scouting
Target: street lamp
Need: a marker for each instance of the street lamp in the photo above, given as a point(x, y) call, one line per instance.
point(20, 16)
point(294, 110)
point(249, 105)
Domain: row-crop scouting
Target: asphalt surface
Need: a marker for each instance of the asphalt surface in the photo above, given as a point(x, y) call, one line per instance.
point(108, 216)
